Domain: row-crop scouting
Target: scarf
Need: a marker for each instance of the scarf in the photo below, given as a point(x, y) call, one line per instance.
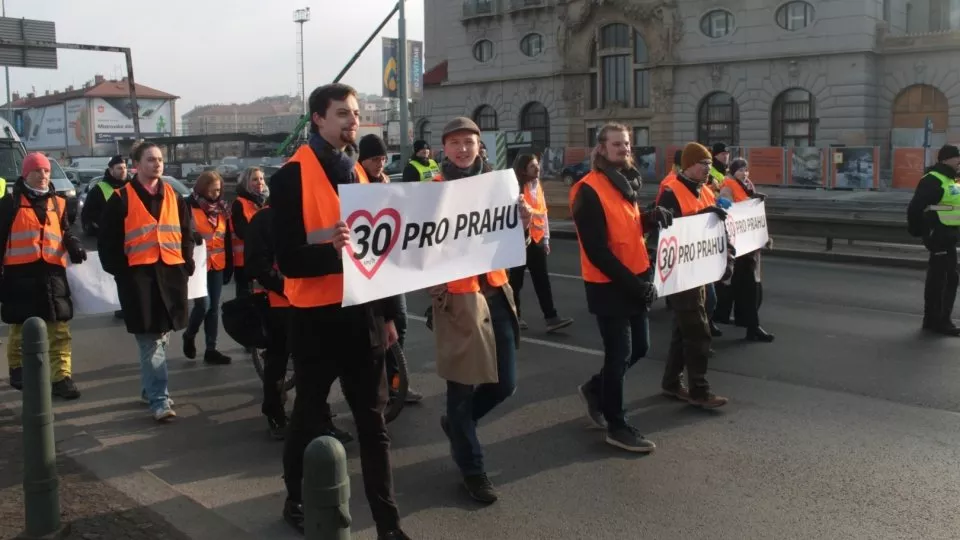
point(451, 172)
point(625, 180)
point(258, 199)
point(339, 165)
point(212, 209)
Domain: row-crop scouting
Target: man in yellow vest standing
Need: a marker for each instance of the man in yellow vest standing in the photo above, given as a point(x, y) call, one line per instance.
point(328, 340)
point(934, 215)
point(422, 168)
point(114, 178)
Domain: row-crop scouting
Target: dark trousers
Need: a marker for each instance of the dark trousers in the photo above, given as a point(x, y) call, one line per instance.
point(328, 343)
point(742, 296)
point(625, 341)
point(242, 281)
point(400, 322)
point(275, 359)
point(206, 311)
point(940, 289)
point(689, 343)
point(467, 404)
point(537, 265)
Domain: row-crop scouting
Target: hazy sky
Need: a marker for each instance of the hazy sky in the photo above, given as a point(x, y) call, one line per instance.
point(213, 51)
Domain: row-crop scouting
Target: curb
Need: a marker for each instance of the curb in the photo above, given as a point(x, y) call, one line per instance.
point(115, 469)
point(822, 256)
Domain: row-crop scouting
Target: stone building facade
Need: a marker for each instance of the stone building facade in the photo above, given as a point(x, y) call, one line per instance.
point(744, 72)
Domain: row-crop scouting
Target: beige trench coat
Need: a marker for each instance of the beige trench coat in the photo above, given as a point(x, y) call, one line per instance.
point(463, 332)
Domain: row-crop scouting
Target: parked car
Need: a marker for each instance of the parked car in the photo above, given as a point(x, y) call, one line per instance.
point(571, 174)
point(394, 170)
point(82, 177)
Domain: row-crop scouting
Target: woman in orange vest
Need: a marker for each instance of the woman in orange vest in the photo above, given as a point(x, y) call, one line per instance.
point(537, 231)
point(35, 239)
point(476, 331)
point(251, 193)
point(744, 293)
point(210, 217)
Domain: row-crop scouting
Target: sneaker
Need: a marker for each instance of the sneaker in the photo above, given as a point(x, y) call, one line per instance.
point(710, 401)
point(480, 488)
point(413, 396)
point(293, 514)
point(215, 357)
point(190, 347)
point(338, 434)
point(277, 426)
point(523, 324)
point(558, 323)
point(594, 412)
point(66, 389)
point(395, 534)
point(680, 393)
point(164, 414)
point(628, 438)
point(16, 378)
point(146, 401)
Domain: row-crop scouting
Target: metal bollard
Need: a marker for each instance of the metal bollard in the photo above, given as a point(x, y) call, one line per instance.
point(326, 490)
point(41, 499)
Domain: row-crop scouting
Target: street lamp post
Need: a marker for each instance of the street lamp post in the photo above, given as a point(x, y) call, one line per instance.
point(402, 82)
point(301, 16)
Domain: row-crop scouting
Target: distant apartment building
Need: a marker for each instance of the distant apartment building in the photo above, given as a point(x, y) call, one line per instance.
point(91, 120)
point(750, 73)
point(269, 113)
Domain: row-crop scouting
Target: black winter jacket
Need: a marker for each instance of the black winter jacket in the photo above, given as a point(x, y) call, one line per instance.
point(37, 289)
point(95, 203)
point(259, 253)
point(239, 220)
point(153, 297)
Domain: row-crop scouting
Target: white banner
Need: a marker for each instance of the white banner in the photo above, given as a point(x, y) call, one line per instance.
point(747, 226)
point(94, 291)
point(691, 252)
point(410, 236)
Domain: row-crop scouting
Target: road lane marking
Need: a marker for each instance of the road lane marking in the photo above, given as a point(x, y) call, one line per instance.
point(565, 276)
point(541, 342)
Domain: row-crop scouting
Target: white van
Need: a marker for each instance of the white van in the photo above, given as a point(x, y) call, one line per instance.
point(90, 163)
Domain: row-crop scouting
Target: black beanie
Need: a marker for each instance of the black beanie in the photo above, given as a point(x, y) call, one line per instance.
point(719, 148)
point(115, 160)
point(948, 151)
point(371, 146)
point(419, 145)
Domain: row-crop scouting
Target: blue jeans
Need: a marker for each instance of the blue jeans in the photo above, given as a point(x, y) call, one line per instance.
point(467, 404)
point(711, 300)
point(207, 311)
point(625, 341)
point(153, 368)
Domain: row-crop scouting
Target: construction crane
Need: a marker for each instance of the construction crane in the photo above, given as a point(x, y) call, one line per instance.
point(296, 137)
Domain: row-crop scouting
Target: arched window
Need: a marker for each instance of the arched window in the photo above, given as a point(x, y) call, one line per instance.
point(531, 45)
point(619, 68)
point(794, 15)
point(794, 119)
point(486, 118)
point(535, 119)
point(483, 51)
point(912, 109)
point(423, 131)
point(718, 120)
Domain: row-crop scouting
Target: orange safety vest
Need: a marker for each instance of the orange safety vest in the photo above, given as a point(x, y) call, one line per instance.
point(689, 204)
point(29, 241)
point(538, 218)
point(146, 240)
point(215, 239)
point(624, 229)
point(672, 175)
point(739, 194)
point(249, 209)
point(467, 285)
point(321, 212)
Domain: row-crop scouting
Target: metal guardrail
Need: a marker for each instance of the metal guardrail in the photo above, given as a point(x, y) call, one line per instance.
point(844, 228)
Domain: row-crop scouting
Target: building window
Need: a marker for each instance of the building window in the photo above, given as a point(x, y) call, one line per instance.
point(795, 15)
point(619, 69)
point(424, 130)
point(535, 119)
point(718, 120)
point(592, 136)
point(794, 119)
point(717, 23)
point(486, 118)
point(483, 51)
point(641, 136)
point(531, 45)
point(944, 15)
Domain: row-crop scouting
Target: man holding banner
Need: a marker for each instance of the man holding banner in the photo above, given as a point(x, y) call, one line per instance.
point(690, 342)
point(614, 264)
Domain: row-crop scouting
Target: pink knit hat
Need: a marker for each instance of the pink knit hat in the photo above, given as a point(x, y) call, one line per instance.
point(34, 161)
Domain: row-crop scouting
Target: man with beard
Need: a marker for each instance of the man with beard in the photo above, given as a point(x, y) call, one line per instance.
point(934, 215)
point(113, 179)
point(690, 342)
point(326, 339)
point(614, 264)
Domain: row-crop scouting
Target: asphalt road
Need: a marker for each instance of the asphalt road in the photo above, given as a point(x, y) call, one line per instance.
point(845, 427)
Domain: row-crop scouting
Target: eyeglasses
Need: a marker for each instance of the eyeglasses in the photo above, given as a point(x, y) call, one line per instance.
point(705, 163)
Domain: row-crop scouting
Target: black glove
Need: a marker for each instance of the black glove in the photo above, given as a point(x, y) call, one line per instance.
point(649, 293)
point(77, 254)
point(761, 196)
point(227, 276)
point(720, 212)
point(190, 266)
point(197, 239)
point(657, 217)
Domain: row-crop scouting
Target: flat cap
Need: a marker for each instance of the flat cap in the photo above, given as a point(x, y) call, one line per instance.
point(459, 124)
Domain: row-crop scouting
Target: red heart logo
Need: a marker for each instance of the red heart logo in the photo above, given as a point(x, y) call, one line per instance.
point(668, 252)
point(373, 250)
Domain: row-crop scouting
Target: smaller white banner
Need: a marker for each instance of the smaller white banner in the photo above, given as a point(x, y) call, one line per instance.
point(691, 252)
point(747, 226)
point(410, 236)
point(94, 291)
